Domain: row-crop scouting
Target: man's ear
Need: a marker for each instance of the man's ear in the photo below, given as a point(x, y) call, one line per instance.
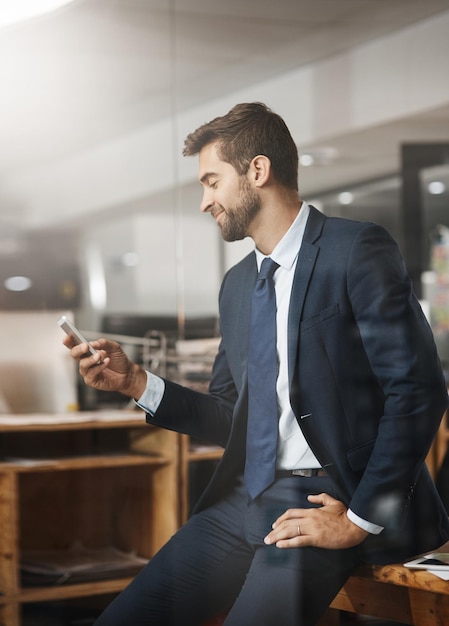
point(260, 170)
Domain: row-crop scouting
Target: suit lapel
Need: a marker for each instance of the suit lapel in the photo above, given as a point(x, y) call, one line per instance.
point(307, 256)
point(242, 303)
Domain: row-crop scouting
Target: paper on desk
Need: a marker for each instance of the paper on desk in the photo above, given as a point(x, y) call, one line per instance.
point(436, 563)
point(444, 575)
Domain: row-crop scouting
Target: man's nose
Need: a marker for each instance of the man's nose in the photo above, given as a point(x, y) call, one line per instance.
point(206, 202)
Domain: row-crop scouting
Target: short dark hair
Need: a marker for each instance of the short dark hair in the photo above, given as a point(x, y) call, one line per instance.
point(247, 130)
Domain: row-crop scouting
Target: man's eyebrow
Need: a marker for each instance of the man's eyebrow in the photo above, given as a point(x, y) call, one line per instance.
point(205, 177)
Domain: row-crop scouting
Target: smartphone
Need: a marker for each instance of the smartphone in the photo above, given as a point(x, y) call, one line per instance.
point(70, 329)
point(435, 561)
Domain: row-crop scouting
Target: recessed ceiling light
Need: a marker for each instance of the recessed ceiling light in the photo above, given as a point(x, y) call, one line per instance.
point(322, 155)
point(306, 159)
point(12, 11)
point(18, 283)
point(436, 187)
point(345, 197)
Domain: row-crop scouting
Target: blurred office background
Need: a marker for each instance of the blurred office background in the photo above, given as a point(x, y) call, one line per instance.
point(99, 217)
point(99, 212)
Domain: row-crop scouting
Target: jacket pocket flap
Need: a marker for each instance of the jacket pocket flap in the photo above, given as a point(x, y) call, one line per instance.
point(320, 317)
point(358, 457)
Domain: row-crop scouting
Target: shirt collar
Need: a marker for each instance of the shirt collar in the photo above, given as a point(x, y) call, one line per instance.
point(287, 249)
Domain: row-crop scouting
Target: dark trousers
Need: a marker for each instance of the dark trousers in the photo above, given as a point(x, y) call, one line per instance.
point(218, 561)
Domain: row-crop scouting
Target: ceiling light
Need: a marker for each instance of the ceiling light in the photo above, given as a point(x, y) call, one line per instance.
point(345, 197)
point(18, 283)
point(12, 11)
point(436, 187)
point(322, 155)
point(306, 159)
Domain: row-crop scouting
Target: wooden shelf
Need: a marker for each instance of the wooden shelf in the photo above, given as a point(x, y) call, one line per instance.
point(108, 480)
point(85, 462)
point(204, 453)
point(63, 592)
point(92, 420)
point(191, 454)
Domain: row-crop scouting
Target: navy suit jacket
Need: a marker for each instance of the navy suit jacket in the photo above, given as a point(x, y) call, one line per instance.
point(366, 384)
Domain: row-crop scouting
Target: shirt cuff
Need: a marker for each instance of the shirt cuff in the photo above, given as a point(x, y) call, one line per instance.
point(151, 398)
point(374, 529)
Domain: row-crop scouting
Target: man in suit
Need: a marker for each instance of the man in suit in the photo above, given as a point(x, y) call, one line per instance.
point(359, 391)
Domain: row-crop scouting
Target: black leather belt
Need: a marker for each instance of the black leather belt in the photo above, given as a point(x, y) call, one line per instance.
point(304, 473)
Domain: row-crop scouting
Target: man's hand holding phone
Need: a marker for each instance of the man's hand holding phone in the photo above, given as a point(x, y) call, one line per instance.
point(103, 364)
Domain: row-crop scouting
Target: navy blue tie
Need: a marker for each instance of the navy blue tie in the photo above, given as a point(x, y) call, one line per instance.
point(262, 430)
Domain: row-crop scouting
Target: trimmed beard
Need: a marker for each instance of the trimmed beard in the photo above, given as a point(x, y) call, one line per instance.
point(239, 217)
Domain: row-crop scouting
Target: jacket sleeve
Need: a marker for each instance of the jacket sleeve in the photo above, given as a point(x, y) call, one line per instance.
point(402, 354)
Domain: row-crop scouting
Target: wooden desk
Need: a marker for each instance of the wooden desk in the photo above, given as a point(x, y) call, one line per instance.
point(389, 592)
point(396, 593)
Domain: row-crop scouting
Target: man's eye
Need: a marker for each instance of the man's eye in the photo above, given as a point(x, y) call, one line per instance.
point(214, 185)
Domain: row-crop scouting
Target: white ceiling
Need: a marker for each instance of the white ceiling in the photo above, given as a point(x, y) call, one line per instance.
point(99, 69)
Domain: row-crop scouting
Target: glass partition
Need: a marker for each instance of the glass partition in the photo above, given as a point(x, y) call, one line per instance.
point(434, 183)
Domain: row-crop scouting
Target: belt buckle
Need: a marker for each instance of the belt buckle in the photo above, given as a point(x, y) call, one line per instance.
point(305, 473)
